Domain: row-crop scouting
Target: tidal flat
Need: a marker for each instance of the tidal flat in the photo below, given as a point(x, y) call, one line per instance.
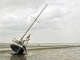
point(61, 52)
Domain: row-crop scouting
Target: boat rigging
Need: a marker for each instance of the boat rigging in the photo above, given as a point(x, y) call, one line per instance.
point(18, 47)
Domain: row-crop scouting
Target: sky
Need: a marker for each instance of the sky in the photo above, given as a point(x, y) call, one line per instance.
point(58, 23)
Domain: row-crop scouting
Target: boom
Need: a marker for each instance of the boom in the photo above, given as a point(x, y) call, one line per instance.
point(33, 23)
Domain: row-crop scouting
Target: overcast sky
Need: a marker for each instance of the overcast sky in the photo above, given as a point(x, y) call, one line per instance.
point(59, 22)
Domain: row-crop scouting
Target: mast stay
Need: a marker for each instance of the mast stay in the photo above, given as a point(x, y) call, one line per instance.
point(33, 22)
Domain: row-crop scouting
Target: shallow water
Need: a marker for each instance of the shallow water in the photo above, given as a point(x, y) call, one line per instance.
point(72, 53)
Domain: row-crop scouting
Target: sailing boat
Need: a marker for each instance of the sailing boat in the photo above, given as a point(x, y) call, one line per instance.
point(18, 46)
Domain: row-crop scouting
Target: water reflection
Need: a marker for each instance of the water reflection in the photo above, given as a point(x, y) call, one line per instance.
point(18, 57)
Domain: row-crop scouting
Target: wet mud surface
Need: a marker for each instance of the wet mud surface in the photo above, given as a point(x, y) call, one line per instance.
point(72, 53)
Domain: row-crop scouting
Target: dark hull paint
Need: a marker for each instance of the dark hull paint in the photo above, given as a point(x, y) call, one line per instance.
point(16, 49)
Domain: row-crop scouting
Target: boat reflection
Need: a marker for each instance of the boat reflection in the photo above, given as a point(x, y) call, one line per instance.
point(18, 57)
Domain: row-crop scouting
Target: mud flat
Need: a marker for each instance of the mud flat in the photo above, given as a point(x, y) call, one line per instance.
point(61, 53)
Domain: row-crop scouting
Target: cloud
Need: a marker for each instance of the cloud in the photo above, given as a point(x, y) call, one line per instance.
point(59, 16)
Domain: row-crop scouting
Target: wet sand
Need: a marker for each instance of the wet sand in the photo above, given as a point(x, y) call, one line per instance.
point(59, 53)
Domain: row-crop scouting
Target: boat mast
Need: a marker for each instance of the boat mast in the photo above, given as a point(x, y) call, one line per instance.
point(33, 23)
